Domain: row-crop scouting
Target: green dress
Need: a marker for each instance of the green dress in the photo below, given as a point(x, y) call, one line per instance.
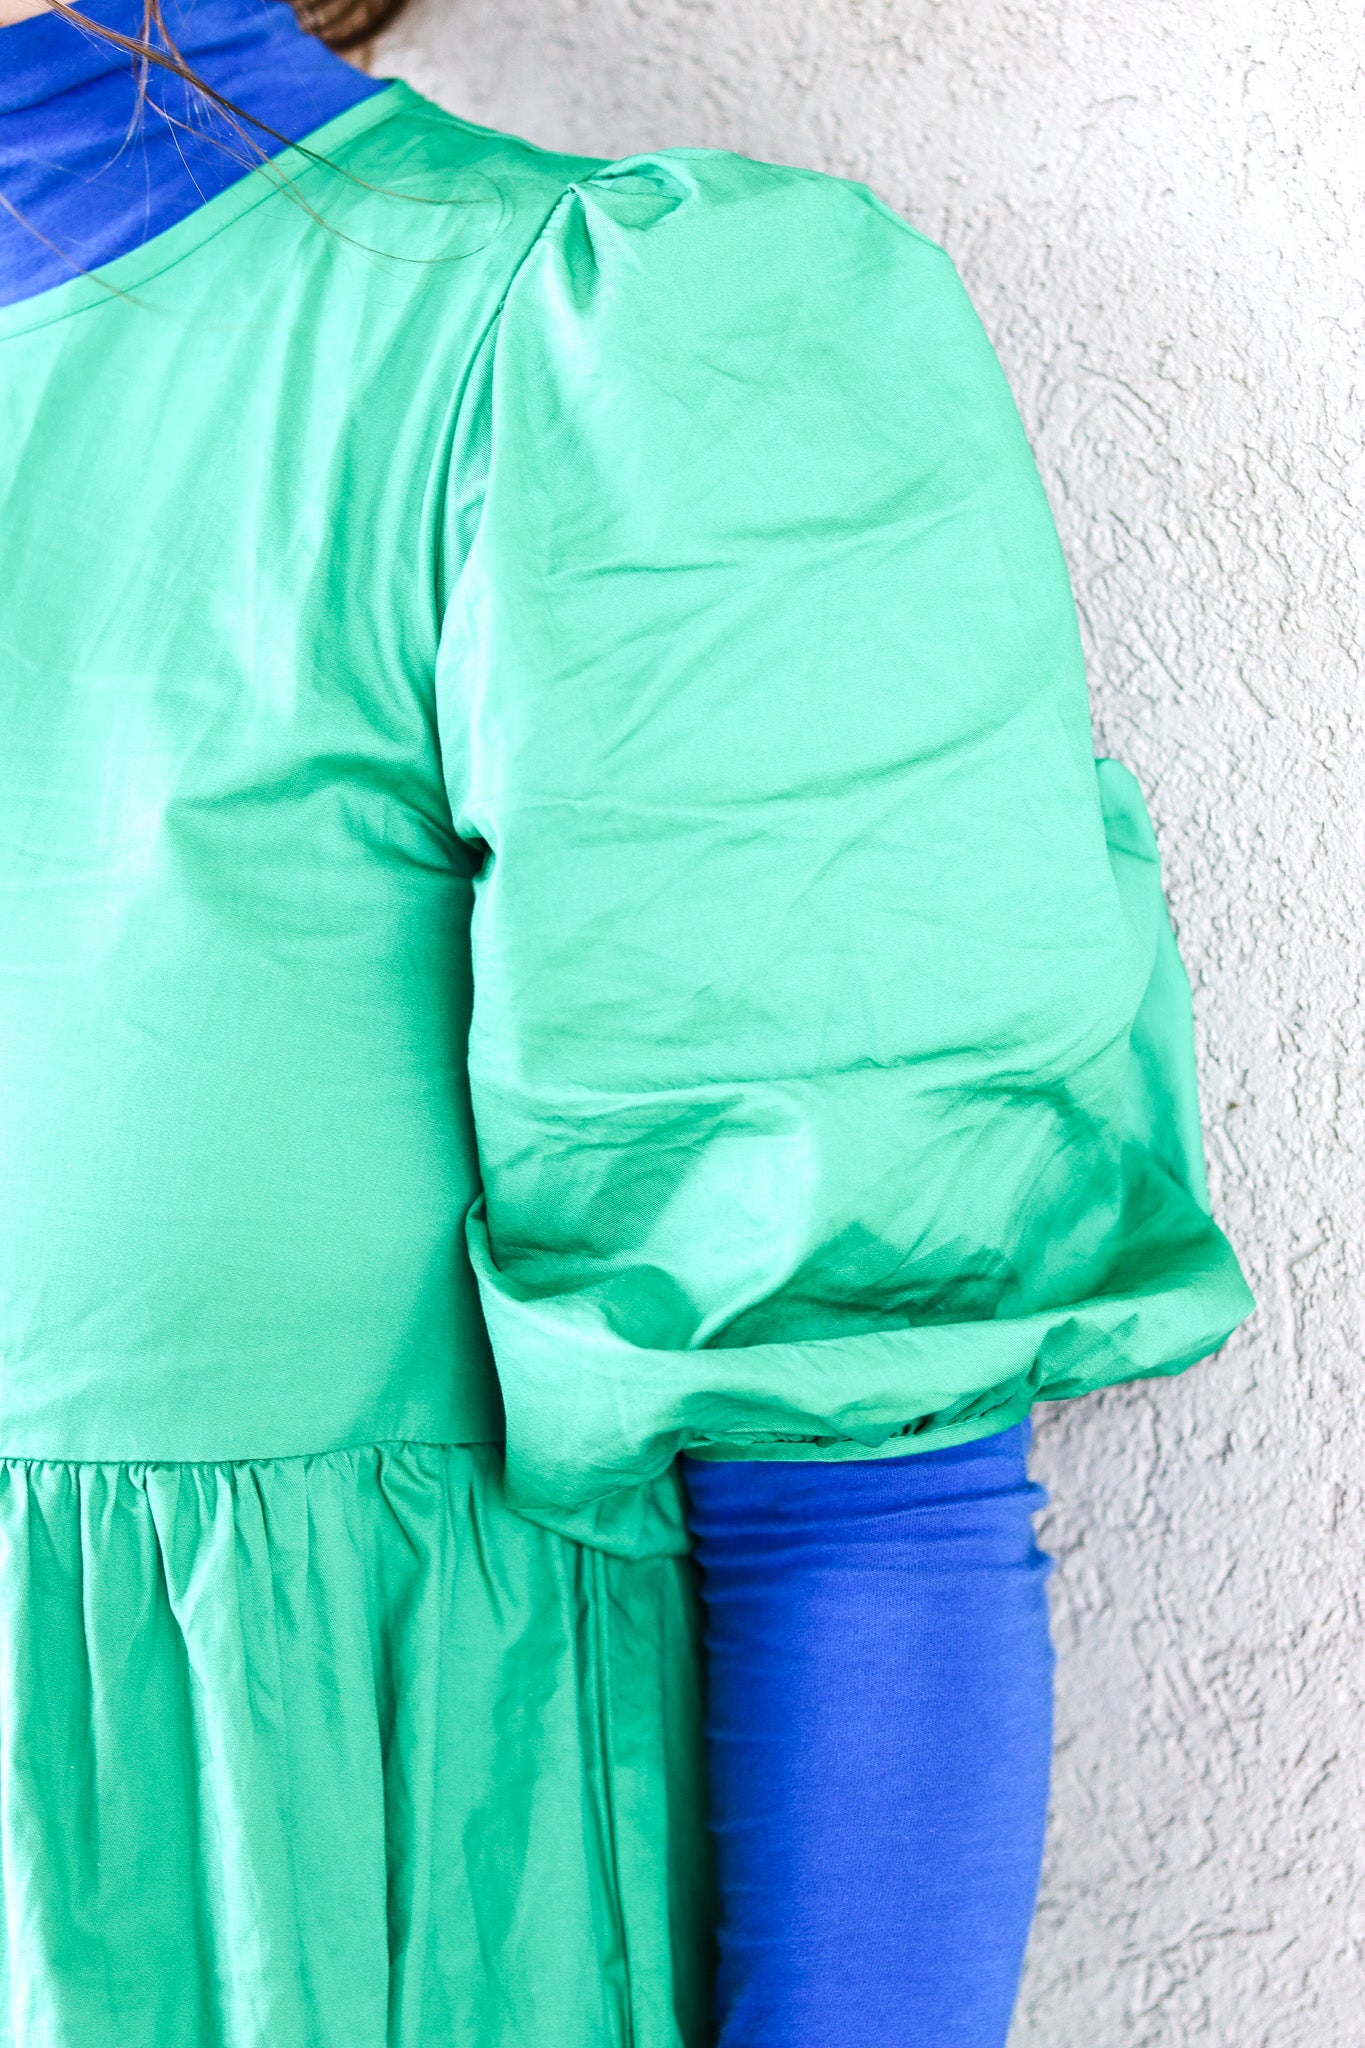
point(555, 906)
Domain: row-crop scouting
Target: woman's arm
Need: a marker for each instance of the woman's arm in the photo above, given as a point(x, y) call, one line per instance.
point(830, 1057)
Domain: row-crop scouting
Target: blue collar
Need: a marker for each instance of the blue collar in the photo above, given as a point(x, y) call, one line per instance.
point(97, 177)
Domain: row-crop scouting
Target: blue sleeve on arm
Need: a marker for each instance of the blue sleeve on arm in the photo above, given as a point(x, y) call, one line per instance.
point(879, 1729)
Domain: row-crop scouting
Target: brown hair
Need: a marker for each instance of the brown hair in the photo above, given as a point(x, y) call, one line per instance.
point(347, 24)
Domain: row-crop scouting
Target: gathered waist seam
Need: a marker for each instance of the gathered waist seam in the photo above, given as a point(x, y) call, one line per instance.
point(276, 1458)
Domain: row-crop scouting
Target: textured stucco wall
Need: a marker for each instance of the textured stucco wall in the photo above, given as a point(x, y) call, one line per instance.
point(1158, 210)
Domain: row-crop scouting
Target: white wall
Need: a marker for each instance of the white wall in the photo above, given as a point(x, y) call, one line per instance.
point(1157, 206)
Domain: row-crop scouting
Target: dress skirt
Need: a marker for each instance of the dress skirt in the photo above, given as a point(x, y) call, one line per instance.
point(340, 1752)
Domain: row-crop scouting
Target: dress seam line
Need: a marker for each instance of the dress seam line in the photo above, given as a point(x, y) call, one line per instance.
point(270, 1458)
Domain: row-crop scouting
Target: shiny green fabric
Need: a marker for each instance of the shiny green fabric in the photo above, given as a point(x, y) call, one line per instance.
point(555, 906)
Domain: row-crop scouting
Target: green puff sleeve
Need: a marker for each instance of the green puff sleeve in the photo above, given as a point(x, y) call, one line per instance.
point(831, 1067)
